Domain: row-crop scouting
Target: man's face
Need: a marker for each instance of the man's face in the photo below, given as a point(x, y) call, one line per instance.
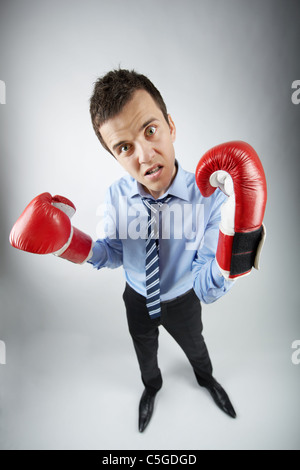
point(142, 141)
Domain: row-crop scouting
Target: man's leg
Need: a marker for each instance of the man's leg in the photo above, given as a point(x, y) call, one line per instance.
point(144, 332)
point(182, 319)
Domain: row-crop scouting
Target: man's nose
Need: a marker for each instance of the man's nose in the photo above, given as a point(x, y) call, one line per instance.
point(145, 152)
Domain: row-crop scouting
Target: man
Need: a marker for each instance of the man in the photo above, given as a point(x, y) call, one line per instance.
point(170, 263)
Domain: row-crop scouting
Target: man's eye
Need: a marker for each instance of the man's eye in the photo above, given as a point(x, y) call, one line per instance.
point(125, 148)
point(150, 130)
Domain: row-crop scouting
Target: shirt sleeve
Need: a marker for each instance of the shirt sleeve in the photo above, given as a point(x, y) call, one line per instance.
point(108, 251)
point(209, 284)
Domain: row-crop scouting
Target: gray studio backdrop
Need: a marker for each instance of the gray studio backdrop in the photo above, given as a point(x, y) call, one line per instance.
point(225, 69)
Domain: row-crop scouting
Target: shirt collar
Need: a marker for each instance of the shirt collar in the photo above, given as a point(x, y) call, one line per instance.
point(178, 188)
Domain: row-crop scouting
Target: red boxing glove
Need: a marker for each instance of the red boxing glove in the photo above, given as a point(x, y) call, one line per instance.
point(236, 169)
point(45, 227)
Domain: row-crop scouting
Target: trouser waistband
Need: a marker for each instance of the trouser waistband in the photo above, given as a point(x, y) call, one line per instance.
point(141, 297)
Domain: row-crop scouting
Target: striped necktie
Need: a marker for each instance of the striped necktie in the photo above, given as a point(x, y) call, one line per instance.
point(152, 255)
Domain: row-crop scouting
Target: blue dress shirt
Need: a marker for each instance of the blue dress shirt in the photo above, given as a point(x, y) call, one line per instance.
point(188, 228)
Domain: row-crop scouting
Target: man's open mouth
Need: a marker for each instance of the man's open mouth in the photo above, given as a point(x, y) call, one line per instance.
point(154, 170)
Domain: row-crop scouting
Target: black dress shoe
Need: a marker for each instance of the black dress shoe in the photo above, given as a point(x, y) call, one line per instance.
point(221, 398)
point(145, 410)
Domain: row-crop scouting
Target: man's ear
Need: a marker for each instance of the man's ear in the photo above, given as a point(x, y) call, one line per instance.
point(172, 128)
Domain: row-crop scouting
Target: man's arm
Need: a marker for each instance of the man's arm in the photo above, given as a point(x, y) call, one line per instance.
point(107, 254)
point(236, 169)
point(209, 284)
point(108, 251)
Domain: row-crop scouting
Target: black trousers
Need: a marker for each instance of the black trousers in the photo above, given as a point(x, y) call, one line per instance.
point(181, 317)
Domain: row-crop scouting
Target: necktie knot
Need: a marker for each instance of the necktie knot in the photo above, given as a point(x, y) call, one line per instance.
point(154, 204)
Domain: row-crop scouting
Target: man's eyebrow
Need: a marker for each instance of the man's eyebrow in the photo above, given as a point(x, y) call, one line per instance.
point(146, 124)
point(141, 128)
point(118, 144)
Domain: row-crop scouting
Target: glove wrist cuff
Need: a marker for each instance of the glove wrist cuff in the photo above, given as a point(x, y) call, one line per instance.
point(78, 249)
point(238, 254)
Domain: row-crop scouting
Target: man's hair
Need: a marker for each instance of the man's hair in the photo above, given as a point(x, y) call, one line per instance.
point(113, 91)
